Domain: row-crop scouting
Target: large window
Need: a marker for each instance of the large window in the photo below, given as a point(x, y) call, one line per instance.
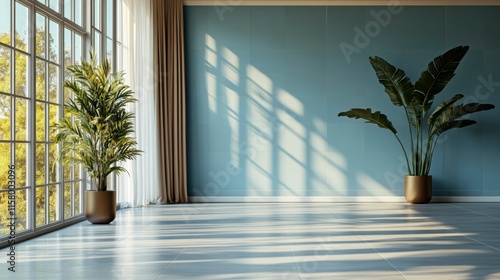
point(38, 40)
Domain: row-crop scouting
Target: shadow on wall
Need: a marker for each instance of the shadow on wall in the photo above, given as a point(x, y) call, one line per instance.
point(262, 112)
point(266, 140)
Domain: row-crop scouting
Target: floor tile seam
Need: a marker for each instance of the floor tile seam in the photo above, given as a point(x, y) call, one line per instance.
point(124, 238)
point(468, 237)
point(183, 249)
point(368, 243)
point(477, 212)
point(291, 250)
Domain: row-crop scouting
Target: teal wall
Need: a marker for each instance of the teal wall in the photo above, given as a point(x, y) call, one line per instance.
point(265, 85)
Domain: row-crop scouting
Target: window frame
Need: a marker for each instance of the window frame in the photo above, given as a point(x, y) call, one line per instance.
point(84, 31)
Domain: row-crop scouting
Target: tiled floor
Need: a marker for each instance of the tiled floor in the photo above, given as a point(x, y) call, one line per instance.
point(273, 241)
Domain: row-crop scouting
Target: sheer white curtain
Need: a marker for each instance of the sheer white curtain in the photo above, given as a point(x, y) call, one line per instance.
point(135, 57)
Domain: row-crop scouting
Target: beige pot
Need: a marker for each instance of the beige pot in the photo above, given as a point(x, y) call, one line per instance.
point(100, 207)
point(418, 189)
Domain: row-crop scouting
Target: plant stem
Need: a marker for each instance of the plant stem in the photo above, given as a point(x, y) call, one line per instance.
point(406, 155)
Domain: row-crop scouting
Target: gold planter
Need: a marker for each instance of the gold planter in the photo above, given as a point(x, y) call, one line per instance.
point(100, 207)
point(418, 189)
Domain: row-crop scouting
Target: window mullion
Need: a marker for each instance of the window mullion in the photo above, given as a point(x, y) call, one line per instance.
point(31, 118)
point(60, 114)
point(115, 34)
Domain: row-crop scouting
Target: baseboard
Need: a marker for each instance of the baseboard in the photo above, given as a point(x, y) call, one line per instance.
point(335, 199)
point(466, 199)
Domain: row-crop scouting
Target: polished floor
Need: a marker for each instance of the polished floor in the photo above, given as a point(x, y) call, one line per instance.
point(273, 241)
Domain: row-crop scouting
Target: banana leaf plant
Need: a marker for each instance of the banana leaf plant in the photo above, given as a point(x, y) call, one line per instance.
point(425, 127)
point(97, 128)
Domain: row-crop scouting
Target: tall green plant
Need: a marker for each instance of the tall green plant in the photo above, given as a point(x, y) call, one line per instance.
point(425, 128)
point(100, 134)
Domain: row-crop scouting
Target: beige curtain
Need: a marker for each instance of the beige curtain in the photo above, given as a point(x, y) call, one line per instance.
point(168, 38)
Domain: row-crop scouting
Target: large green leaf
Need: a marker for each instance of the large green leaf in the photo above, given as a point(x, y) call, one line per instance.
point(453, 124)
point(439, 72)
point(442, 107)
point(397, 85)
point(453, 113)
point(375, 118)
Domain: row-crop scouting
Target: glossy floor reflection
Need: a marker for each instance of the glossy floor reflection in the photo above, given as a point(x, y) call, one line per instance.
point(273, 241)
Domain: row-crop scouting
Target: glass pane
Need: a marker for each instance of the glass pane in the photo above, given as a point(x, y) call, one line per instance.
point(40, 35)
point(119, 55)
point(119, 21)
point(76, 193)
point(53, 204)
point(53, 82)
point(97, 45)
point(5, 117)
point(67, 61)
point(4, 222)
point(97, 14)
point(40, 206)
point(54, 5)
point(109, 50)
point(21, 74)
point(21, 124)
point(40, 79)
point(21, 210)
point(68, 8)
point(5, 22)
point(22, 35)
point(78, 48)
point(53, 164)
point(40, 121)
point(109, 18)
point(43, 1)
point(5, 63)
point(53, 117)
point(67, 172)
point(67, 200)
point(77, 172)
point(67, 47)
point(67, 94)
point(40, 164)
point(5, 162)
point(20, 163)
point(53, 41)
point(78, 12)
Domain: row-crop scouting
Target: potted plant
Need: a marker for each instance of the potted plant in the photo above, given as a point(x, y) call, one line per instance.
point(425, 127)
point(97, 132)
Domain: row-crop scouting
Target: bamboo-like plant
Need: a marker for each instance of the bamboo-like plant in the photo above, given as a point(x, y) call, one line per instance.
point(425, 128)
point(100, 134)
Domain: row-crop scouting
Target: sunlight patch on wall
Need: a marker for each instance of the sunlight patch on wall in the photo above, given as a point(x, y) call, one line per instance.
point(327, 175)
point(320, 126)
point(210, 77)
point(211, 51)
point(260, 92)
point(261, 123)
point(290, 102)
point(233, 119)
point(211, 80)
point(260, 79)
point(371, 186)
point(230, 66)
point(292, 175)
point(293, 149)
